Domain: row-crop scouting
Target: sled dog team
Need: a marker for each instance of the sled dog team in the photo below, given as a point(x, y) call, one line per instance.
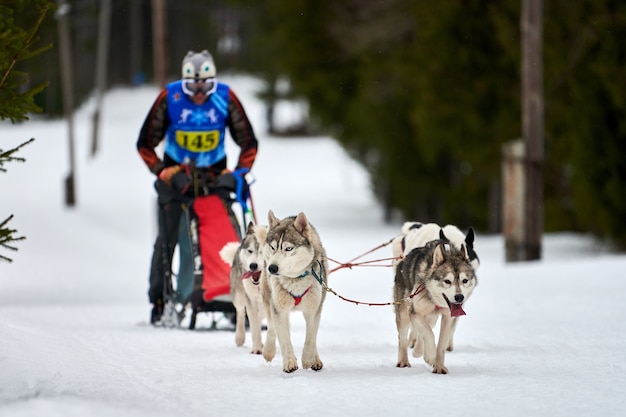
point(282, 267)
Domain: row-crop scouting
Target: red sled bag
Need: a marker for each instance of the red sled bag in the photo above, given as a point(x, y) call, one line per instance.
point(211, 226)
point(215, 229)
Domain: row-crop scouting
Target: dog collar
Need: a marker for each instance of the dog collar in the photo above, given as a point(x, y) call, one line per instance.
point(298, 298)
point(304, 274)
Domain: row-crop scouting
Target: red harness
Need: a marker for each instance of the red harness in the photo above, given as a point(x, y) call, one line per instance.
point(298, 298)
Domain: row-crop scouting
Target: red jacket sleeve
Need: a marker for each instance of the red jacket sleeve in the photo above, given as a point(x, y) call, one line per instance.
point(152, 133)
point(242, 132)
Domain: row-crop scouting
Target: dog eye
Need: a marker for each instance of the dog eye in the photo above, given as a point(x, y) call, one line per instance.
point(447, 281)
point(288, 248)
point(465, 281)
point(249, 250)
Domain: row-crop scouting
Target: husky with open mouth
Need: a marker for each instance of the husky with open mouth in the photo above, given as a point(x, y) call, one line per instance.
point(431, 281)
point(246, 260)
point(294, 279)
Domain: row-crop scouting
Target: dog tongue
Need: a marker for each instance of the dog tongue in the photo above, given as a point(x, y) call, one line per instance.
point(252, 274)
point(456, 310)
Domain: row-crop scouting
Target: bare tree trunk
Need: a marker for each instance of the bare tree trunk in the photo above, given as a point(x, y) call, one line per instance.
point(533, 123)
point(65, 51)
point(159, 36)
point(104, 25)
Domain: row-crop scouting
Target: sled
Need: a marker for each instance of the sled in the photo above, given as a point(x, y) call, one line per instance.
point(207, 224)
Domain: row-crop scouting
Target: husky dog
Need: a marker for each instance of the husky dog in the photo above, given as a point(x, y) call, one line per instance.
point(246, 260)
point(431, 281)
point(415, 235)
point(294, 278)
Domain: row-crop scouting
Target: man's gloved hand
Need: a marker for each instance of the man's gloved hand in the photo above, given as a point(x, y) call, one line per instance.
point(167, 173)
point(177, 176)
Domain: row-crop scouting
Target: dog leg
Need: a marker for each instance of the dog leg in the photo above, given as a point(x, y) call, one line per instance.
point(412, 339)
point(451, 342)
point(428, 337)
point(418, 347)
point(444, 338)
point(269, 348)
point(255, 317)
point(281, 327)
point(240, 326)
point(310, 357)
point(402, 324)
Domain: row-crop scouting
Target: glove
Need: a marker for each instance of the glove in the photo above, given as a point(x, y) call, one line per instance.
point(177, 176)
point(167, 173)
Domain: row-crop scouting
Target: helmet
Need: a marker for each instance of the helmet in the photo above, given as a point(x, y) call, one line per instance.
point(198, 73)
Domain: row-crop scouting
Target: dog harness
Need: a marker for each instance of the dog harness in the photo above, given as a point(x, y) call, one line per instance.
point(298, 298)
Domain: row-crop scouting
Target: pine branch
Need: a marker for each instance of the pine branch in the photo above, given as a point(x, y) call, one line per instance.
point(6, 237)
point(23, 53)
point(7, 156)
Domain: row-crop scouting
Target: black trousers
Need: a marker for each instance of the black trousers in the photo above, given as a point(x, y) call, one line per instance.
point(169, 210)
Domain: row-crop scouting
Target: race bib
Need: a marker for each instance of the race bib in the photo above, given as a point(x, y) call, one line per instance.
point(198, 141)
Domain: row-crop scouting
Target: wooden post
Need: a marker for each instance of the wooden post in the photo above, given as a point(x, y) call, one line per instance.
point(533, 123)
point(513, 205)
point(68, 91)
point(159, 34)
point(101, 68)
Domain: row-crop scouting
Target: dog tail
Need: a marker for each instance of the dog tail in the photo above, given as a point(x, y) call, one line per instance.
point(227, 253)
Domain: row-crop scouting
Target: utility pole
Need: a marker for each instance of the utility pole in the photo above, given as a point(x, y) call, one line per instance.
point(101, 68)
point(68, 91)
point(533, 123)
point(159, 34)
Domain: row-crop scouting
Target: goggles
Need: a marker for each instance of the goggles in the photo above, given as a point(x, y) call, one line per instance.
point(193, 86)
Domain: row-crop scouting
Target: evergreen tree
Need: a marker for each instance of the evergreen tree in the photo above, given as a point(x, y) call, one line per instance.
point(17, 40)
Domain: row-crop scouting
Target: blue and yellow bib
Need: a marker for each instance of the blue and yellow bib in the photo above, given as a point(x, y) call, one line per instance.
point(196, 133)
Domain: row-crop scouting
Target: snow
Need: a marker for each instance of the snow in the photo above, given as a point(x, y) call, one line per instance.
point(544, 338)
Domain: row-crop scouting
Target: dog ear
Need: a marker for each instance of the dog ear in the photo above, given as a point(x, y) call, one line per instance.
point(443, 236)
point(469, 239)
point(465, 252)
point(301, 223)
point(271, 219)
point(439, 256)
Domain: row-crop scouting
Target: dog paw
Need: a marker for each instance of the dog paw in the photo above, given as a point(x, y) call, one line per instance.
point(429, 359)
point(403, 364)
point(256, 352)
point(440, 369)
point(316, 365)
point(290, 365)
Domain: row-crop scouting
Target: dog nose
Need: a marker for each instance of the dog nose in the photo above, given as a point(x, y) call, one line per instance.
point(273, 268)
point(458, 298)
point(253, 266)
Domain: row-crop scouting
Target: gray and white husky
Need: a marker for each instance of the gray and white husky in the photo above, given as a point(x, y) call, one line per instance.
point(431, 281)
point(246, 260)
point(417, 234)
point(295, 272)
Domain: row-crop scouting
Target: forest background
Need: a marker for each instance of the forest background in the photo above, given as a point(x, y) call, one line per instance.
point(424, 94)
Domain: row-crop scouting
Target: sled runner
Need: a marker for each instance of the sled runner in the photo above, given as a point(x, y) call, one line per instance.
point(209, 223)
